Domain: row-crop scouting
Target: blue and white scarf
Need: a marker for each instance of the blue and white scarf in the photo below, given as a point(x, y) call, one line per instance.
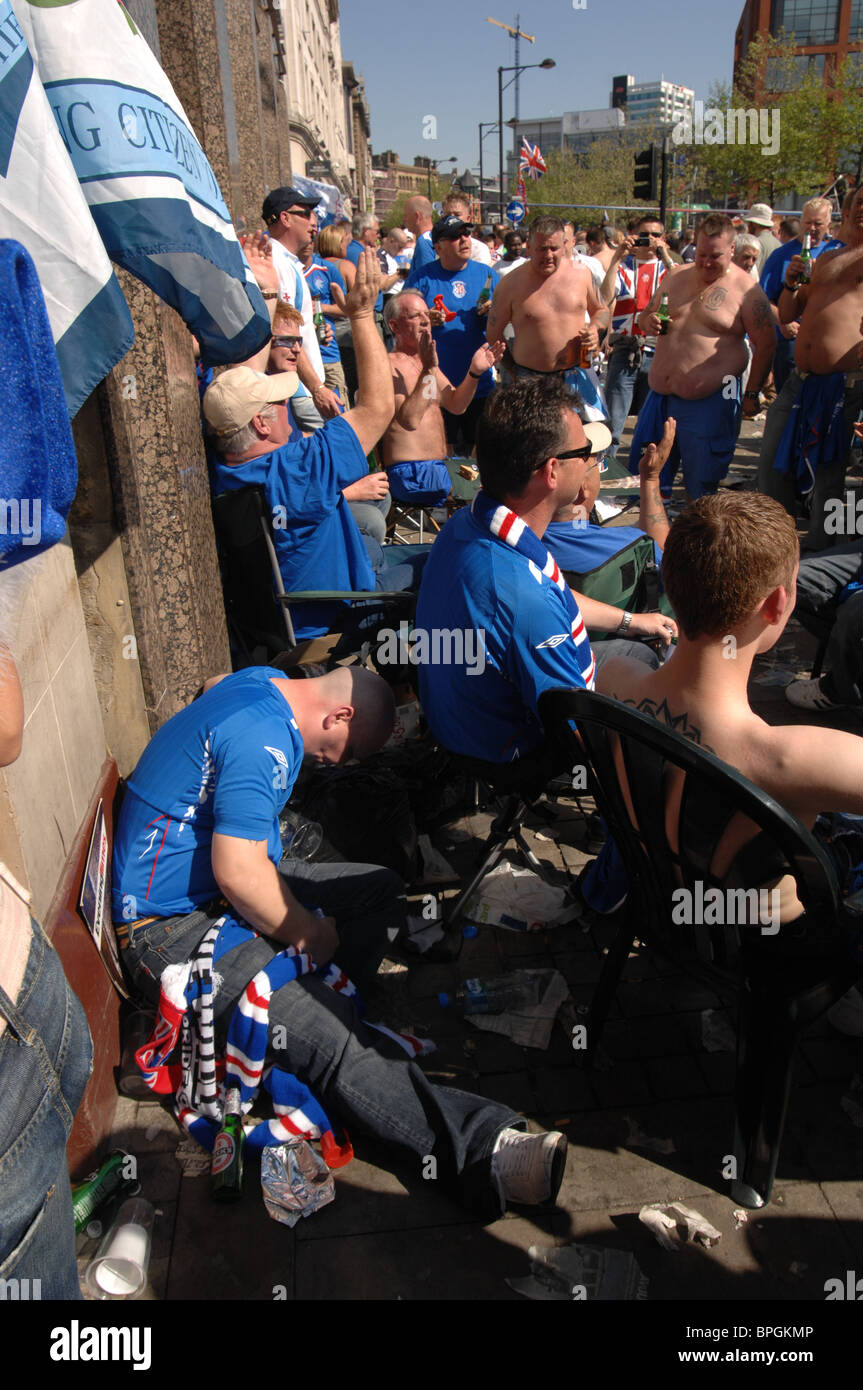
point(508, 526)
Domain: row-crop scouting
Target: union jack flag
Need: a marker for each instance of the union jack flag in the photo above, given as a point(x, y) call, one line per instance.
point(532, 162)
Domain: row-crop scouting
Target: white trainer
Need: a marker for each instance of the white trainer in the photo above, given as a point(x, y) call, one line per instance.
point(529, 1167)
point(846, 1014)
point(809, 695)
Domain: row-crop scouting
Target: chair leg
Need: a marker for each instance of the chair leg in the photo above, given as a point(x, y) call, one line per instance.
point(766, 1039)
point(609, 980)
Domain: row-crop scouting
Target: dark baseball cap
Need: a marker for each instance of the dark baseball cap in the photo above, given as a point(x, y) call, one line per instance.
point(450, 227)
point(280, 198)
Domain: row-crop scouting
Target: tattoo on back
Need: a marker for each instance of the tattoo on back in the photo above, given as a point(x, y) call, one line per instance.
point(678, 722)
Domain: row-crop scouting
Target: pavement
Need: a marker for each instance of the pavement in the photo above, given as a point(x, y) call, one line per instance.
point(652, 1123)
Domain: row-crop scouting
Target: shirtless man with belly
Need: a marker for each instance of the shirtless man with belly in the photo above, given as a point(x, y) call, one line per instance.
point(555, 315)
point(807, 452)
point(696, 371)
point(414, 447)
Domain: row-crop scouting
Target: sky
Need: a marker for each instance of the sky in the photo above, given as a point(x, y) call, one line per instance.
point(440, 59)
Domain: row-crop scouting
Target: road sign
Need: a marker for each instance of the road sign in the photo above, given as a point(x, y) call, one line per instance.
point(515, 211)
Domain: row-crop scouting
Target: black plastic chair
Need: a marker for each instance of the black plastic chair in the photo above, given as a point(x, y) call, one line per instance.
point(681, 817)
point(256, 603)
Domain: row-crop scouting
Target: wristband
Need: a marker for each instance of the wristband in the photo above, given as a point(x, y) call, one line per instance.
point(270, 294)
point(625, 622)
point(476, 375)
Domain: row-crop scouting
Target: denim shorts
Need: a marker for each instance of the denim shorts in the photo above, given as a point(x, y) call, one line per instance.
point(46, 1057)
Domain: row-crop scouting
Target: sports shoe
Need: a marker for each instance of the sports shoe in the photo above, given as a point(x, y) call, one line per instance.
point(529, 1168)
point(846, 1014)
point(809, 695)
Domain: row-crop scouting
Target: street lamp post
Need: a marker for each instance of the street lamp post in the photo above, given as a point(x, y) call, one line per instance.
point(452, 160)
point(483, 125)
point(546, 63)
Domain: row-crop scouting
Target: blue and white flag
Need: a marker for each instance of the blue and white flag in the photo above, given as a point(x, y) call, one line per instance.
point(331, 208)
point(43, 208)
point(151, 191)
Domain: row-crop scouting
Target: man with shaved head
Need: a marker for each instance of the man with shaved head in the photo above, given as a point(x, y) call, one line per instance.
point(203, 894)
point(419, 220)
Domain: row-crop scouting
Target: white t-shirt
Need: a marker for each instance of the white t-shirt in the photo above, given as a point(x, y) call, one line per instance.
point(593, 264)
point(290, 273)
point(479, 251)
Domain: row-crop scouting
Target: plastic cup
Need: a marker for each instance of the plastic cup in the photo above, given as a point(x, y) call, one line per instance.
point(119, 1268)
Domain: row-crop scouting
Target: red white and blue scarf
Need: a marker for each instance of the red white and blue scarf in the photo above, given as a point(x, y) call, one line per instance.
point(509, 527)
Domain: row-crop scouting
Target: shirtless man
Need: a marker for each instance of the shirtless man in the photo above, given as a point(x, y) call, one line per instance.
point(414, 445)
point(807, 451)
point(729, 568)
point(555, 313)
point(698, 363)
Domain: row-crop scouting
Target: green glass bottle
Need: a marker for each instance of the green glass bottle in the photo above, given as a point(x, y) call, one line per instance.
point(226, 1170)
point(663, 314)
point(88, 1196)
point(806, 258)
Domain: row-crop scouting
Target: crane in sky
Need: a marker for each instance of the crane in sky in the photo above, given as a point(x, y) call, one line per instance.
point(518, 34)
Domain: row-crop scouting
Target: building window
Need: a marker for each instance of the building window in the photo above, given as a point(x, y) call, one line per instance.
point(856, 34)
point(780, 78)
point(810, 21)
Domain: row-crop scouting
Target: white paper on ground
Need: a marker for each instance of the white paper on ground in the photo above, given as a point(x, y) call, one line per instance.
point(530, 1027)
point(435, 867)
point(519, 900)
point(673, 1225)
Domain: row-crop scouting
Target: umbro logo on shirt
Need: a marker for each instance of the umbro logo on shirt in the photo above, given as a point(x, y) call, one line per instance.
point(555, 641)
point(277, 754)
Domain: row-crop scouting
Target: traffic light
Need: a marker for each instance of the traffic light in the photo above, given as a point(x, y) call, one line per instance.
point(647, 175)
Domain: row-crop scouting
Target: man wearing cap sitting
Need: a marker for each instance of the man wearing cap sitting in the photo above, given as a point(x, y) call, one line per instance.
point(292, 226)
point(457, 283)
point(316, 538)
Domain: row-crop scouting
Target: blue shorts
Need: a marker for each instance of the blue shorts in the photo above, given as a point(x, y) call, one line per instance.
point(422, 484)
point(705, 442)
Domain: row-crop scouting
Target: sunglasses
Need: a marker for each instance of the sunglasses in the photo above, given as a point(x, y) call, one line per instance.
point(583, 453)
point(287, 342)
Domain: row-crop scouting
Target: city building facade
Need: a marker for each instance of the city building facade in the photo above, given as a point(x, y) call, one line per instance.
point(824, 34)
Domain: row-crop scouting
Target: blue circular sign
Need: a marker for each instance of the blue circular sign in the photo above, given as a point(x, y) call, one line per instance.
point(515, 211)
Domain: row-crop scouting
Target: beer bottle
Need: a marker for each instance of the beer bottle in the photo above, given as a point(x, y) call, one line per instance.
point(485, 293)
point(806, 257)
point(226, 1170)
point(663, 315)
point(319, 322)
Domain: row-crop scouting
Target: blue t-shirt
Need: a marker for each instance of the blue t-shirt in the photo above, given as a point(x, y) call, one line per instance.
point(458, 340)
point(354, 250)
point(773, 273)
point(424, 254)
point(320, 276)
point(223, 765)
point(318, 543)
point(484, 705)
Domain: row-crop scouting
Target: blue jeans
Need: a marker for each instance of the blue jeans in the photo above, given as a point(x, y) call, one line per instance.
point(371, 518)
point(626, 390)
point(360, 1077)
point(46, 1057)
point(820, 583)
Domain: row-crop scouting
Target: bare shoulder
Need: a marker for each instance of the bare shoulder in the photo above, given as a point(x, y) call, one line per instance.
point(811, 769)
point(620, 677)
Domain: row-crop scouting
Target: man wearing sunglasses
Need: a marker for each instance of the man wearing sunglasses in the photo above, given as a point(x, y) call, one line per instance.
point(490, 573)
point(292, 226)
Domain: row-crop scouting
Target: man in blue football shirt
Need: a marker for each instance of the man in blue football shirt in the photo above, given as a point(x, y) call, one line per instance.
point(199, 830)
point(316, 538)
